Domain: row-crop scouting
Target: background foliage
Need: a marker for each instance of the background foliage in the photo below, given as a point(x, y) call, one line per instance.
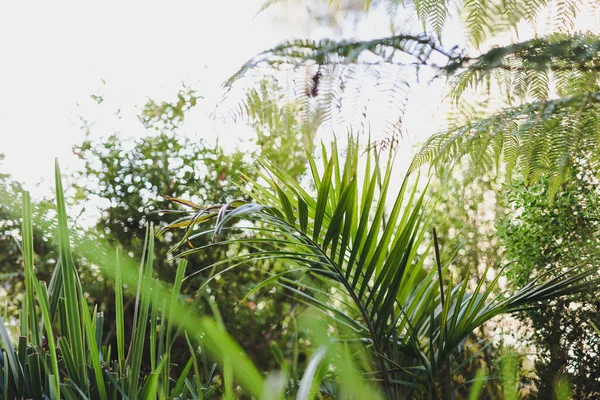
point(543, 239)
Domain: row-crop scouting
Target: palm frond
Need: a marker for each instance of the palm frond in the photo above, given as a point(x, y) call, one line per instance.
point(351, 250)
point(340, 235)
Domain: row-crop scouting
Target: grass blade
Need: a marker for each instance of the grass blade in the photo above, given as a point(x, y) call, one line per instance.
point(71, 287)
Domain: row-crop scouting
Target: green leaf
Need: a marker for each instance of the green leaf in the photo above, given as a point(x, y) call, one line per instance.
point(322, 199)
point(143, 297)
point(120, 315)
point(307, 388)
point(72, 288)
point(94, 353)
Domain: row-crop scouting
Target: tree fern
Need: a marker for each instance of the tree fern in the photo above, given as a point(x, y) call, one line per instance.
point(526, 67)
point(542, 138)
point(545, 81)
point(339, 86)
point(482, 18)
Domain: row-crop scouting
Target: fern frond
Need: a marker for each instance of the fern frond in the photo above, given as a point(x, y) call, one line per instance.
point(525, 67)
point(478, 19)
point(437, 14)
point(336, 83)
point(532, 8)
point(418, 48)
point(541, 138)
point(566, 11)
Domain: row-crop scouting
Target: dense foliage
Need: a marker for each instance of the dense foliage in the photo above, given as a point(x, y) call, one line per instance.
point(543, 239)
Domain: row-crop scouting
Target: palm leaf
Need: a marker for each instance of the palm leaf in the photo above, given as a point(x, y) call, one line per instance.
point(343, 237)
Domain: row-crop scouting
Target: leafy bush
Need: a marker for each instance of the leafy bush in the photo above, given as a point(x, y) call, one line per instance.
point(544, 239)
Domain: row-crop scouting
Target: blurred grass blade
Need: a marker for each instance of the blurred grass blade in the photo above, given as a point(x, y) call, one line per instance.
point(119, 314)
point(307, 388)
point(71, 286)
point(222, 346)
point(94, 353)
point(144, 293)
point(9, 351)
point(42, 296)
point(28, 257)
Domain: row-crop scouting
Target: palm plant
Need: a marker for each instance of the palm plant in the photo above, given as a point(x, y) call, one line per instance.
point(361, 266)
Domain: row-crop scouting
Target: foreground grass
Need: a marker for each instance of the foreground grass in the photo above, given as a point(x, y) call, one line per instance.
point(58, 353)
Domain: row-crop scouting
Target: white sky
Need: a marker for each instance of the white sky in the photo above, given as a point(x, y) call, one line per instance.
point(54, 56)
